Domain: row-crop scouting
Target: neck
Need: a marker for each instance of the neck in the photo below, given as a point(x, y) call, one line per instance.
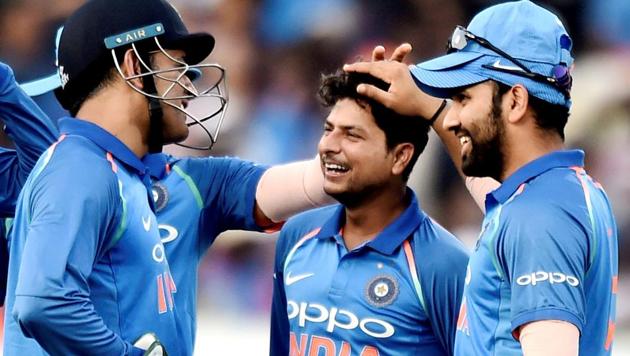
point(527, 149)
point(365, 221)
point(120, 113)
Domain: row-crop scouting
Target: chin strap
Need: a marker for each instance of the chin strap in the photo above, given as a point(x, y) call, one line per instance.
point(156, 140)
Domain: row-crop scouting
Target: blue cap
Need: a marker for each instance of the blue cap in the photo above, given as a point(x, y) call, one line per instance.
point(529, 33)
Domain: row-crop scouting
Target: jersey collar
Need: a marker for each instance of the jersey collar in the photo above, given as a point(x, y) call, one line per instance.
point(156, 163)
point(103, 139)
point(556, 159)
point(387, 240)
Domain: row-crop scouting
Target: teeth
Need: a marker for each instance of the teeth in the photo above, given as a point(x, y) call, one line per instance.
point(464, 140)
point(336, 167)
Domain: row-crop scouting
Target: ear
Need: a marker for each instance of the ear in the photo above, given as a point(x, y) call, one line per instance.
point(402, 154)
point(518, 102)
point(130, 67)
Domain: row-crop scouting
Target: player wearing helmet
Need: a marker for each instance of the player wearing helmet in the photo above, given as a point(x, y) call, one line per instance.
point(88, 273)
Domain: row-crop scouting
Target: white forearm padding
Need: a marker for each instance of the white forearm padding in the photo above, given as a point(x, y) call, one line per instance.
point(288, 189)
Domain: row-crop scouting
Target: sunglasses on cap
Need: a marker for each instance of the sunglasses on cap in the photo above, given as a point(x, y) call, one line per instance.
point(561, 78)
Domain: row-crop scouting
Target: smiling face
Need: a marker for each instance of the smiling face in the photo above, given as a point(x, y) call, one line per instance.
point(475, 118)
point(355, 159)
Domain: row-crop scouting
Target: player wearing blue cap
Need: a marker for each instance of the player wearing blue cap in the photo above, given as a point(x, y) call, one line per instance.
point(543, 277)
point(373, 275)
point(32, 132)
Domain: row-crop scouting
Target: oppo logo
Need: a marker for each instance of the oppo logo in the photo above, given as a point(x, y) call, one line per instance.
point(337, 318)
point(167, 233)
point(550, 277)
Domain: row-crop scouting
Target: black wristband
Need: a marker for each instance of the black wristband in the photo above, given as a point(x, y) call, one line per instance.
point(437, 113)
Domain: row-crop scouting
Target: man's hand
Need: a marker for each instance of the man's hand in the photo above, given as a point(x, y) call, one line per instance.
point(151, 345)
point(403, 95)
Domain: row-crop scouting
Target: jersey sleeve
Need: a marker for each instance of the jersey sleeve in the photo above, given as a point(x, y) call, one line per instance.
point(4, 262)
point(73, 210)
point(442, 279)
point(32, 132)
point(279, 342)
point(545, 256)
point(228, 189)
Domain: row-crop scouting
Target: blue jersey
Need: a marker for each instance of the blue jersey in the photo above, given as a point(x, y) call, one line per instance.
point(195, 200)
point(4, 262)
point(397, 294)
point(87, 270)
point(32, 133)
point(547, 251)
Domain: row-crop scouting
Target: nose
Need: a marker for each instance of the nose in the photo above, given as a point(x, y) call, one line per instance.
point(188, 85)
point(451, 120)
point(329, 143)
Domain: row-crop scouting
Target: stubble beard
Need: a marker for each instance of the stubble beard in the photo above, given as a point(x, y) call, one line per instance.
point(486, 158)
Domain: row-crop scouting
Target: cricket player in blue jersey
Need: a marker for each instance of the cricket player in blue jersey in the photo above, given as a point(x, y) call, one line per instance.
point(198, 198)
point(32, 132)
point(373, 275)
point(88, 272)
point(543, 277)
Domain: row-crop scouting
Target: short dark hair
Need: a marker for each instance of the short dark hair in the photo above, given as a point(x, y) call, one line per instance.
point(102, 73)
point(398, 128)
point(101, 78)
point(548, 116)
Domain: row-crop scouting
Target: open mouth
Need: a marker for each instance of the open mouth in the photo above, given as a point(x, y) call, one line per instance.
point(335, 169)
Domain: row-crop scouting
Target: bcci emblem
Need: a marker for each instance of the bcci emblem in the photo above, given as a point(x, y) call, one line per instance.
point(160, 196)
point(381, 291)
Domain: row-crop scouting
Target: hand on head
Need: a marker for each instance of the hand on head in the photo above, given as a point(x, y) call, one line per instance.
point(399, 54)
point(403, 95)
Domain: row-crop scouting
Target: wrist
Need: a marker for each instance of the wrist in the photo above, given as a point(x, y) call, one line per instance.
point(437, 112)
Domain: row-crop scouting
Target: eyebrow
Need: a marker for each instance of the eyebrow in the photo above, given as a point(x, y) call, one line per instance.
point(347, 127)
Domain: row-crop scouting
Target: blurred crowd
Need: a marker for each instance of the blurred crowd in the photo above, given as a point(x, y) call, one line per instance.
point(274, 52)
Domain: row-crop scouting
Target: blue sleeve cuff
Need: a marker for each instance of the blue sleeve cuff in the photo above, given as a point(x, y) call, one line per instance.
point(252, 184)
point(547, 314)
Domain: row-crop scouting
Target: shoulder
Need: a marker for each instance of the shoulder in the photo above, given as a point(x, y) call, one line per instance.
point(557, 189)
point(75, 163)
point(303, 225)
point(553, 201)
point(6, 75)
point(309, 220)
point(431, 235)
point(446, 252)
point(216, 164)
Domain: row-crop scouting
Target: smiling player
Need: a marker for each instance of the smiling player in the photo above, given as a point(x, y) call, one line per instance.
point(374, 274)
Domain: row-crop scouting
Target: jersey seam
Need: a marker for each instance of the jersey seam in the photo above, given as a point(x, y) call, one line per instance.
point(191, 185)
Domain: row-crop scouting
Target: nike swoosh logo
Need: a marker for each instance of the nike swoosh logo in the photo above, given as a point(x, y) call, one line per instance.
point(146, 223)
point(289, 280)
point(497, 64)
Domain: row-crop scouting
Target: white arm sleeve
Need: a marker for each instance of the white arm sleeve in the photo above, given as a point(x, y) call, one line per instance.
point(550, 337)
point(288, 189)
point(479, 187)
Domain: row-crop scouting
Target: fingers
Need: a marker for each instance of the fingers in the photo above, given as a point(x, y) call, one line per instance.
point(400, 52)
point(378, 53)
point(386, 71)
point(373, 92)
